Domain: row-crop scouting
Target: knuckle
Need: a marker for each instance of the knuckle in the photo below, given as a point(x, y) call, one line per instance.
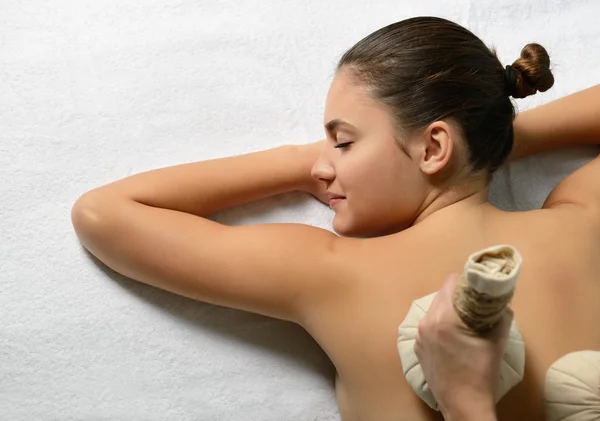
point(418, 348)
point(422, 328)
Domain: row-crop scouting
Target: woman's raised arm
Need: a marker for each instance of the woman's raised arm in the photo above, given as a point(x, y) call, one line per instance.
point(150, 227)
point(573, 120)
point(570, 121)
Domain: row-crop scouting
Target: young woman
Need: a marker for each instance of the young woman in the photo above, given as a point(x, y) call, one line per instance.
point(417, 118)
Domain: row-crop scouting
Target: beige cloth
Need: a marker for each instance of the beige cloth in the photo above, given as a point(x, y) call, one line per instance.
point(572, 389)
point(487, 277)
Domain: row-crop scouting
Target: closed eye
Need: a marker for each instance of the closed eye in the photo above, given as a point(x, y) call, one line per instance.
point(343, 145)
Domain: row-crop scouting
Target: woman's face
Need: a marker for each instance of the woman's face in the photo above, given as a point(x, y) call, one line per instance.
point(381, 186)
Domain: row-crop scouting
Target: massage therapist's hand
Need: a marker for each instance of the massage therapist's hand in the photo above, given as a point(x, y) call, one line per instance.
point(461, 368)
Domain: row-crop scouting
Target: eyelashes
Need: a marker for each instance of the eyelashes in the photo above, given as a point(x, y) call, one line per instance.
point(342, 145)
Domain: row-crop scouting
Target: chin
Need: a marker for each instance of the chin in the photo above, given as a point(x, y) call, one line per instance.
point(348, 229)
point(357, 229)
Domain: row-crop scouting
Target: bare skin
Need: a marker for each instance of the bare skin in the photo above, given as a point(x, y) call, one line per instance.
point(351, 294)
point(554, 305)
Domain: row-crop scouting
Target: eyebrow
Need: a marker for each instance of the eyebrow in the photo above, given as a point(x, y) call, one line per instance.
point(333, 124)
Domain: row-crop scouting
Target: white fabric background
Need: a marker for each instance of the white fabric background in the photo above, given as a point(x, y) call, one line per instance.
point(93, 91)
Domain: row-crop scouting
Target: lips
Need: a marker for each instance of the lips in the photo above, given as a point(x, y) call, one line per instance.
point(334, 199)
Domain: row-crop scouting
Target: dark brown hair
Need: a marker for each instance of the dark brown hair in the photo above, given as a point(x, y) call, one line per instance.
point(427, 69)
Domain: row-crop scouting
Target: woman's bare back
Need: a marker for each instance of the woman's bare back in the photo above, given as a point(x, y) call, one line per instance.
point(556, 300)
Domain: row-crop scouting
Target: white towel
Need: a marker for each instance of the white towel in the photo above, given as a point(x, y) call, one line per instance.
point(92, 91)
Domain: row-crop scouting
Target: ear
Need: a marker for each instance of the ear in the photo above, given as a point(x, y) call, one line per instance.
point(438, 144)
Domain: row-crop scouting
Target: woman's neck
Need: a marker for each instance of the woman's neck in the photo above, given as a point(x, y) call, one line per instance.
point(456, 199)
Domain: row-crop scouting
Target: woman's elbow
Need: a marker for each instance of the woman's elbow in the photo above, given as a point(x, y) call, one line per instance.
point(88, 213)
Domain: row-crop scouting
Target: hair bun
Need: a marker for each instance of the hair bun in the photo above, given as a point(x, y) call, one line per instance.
point(533, 71)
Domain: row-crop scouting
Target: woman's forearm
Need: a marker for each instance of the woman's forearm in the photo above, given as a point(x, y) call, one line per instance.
point(570, 121)
point(205, 187)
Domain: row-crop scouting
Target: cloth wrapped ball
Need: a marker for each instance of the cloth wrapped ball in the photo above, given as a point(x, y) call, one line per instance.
point(572, 388)
point(489, 273)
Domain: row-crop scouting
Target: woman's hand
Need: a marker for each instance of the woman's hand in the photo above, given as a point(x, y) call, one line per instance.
point(309, 153)
point(461, 368)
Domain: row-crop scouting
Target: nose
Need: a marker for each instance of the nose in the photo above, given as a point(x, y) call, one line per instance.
point(322, 170)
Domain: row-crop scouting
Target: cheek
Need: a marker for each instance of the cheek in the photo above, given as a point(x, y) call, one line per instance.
point(351, 174)
point(386, 197)
point(372, 178)
point(409, 190)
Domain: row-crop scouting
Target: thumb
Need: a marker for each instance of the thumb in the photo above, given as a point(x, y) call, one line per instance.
point(502, 330)
point(449, 286)
point(446, 293)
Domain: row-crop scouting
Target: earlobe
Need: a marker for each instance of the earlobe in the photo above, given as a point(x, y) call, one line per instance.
point(438, 148)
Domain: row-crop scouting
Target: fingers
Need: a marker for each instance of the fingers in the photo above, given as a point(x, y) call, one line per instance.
point(418, 347)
